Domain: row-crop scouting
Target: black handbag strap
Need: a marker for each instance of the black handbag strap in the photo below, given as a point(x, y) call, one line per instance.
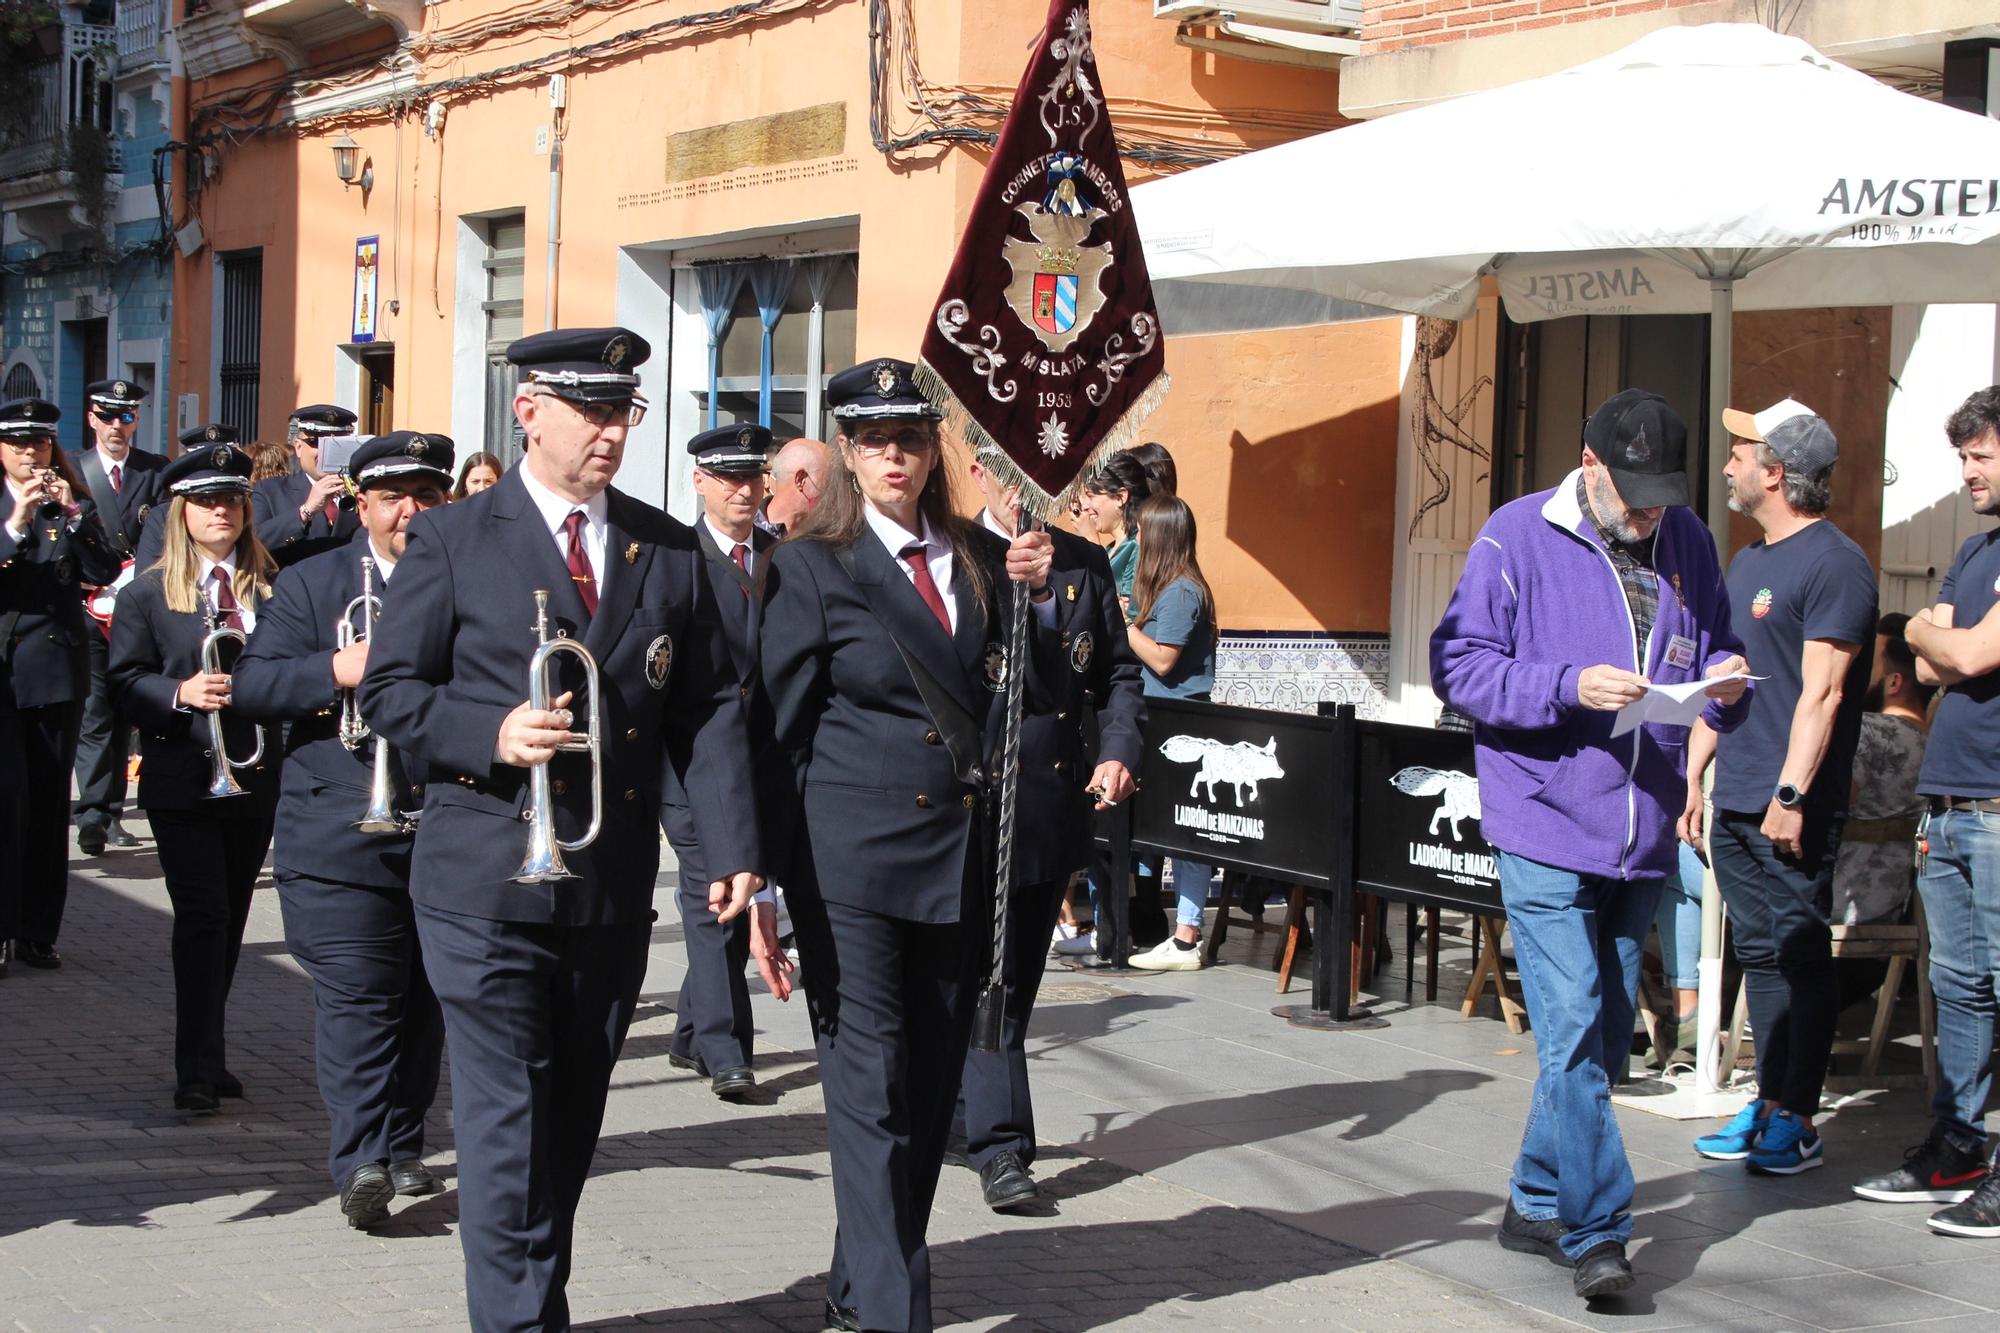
point(958, 729)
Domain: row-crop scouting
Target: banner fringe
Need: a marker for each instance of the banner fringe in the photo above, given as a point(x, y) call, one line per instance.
point(994, 455)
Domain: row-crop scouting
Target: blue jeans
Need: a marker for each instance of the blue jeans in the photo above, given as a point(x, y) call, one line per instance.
point(1679, 923)
point(1577, 940)
point(1191, 879)
point(1960, 884)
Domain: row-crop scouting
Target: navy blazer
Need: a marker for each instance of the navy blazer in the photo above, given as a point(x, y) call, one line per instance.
point(1097, 671)
point(124, 510)
point(286, 675)
point(274, 506)
point(878, 818)
point(44, 637)
point(154, 649)
point(450, 661)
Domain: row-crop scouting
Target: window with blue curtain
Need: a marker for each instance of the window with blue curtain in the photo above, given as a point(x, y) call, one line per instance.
point(789, 324)
point(719, 284)
point(771, 285)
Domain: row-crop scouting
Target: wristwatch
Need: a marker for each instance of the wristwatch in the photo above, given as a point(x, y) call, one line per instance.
point(1789, 796)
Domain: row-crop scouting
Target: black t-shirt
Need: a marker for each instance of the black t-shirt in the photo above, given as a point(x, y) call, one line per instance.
point(1963, 756)
point(1815, 584)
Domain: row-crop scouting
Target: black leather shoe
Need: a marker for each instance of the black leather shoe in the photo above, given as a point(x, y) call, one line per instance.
point(840, 1317)
point(195, 1097)
point(228, 1085)
point(90, 841)
point(115, 836)
point(1520, 1235)
point(1602, 1270)
point(691, 1063)
point(411, 1176)
point(43, 956)
point(956, 1151)
point(1006, 1183)
point(734, 1083)
point(364, 1199)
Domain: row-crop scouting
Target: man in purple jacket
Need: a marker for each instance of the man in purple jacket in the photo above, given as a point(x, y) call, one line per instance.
point(1573, 601)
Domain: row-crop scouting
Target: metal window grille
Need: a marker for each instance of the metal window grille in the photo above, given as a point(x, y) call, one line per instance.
point(242, 339)
point(21, 383)
point(506, 252)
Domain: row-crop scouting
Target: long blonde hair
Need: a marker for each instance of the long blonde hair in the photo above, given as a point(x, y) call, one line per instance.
point(837, 518)
point(180, 563)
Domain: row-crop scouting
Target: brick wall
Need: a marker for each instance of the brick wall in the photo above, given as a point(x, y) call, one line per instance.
point(1393, 25)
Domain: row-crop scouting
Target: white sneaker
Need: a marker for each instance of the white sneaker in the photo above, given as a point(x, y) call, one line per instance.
point(1063, 931)
point(1167, 956)
point(1076, 945)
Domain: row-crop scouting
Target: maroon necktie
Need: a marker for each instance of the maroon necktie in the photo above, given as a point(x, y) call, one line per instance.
point(332, 513)
point(117, 478)
point(920, 571)
point(742, 563)
point(579, 563)
point(226, 609)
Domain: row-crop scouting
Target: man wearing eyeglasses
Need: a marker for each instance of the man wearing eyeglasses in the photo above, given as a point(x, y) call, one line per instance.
point(714, 1032)
point(308, 510)
point(538, 981)
point(125, 482)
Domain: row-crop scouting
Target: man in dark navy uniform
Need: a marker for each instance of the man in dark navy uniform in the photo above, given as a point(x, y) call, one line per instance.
point(714, 1032)
point(51, 543)
point(308, 505)
point(993, 1128)
point(126, 484)
point(539, 980)
point(344, 882)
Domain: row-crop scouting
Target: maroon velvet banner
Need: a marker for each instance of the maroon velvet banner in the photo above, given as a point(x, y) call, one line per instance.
point(1044, 344)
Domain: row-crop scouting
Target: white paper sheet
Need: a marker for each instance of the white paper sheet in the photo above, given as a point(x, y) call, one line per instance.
point(1670, 705)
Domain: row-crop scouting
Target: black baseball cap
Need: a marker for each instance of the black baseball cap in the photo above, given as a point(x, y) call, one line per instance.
point(1642, 441)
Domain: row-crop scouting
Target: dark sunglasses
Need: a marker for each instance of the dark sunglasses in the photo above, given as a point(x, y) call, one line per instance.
point(125, 418)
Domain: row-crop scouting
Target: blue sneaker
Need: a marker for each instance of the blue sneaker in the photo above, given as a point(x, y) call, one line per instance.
point(1733, 1142)
point(1786, 1148)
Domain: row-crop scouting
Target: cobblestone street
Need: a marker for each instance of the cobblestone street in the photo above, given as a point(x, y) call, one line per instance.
point(1205, 1162)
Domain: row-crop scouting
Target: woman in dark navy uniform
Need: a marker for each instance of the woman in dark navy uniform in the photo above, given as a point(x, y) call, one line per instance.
point(211, 848)
point(882, 620)
point(51, 543)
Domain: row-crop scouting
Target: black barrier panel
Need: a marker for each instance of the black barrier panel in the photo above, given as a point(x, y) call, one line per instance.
point(1417, 834)
point(1242, 788)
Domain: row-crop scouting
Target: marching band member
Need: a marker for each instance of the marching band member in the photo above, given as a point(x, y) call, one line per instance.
point(994, 1125)
point(714, 1030)
point(883, 617)
point(378, 1036)
point(539, 980)
point(211, 847)
point(307, 505)
point(126, 482)
point(51, 543)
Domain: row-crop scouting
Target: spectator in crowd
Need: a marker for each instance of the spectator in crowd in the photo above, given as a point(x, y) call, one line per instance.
point(1173, 635)
point(480, 471)
point(1541, 646)
point(1159, 465)
point(1876, 869)
point(268, 459)
point(1802, 596)
point(1957, 645)
point(797, 477)
point(1105, 509)
point(1678, 920)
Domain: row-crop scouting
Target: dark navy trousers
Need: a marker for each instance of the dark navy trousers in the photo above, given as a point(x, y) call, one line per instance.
point(101, 747)
point(536, 1016)
point(713, 1014)
point(995, 1112)
point(378, 1035)
point(210, 859)
point(891, 1005)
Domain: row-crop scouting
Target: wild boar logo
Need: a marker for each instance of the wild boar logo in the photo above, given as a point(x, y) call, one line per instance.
point(1240, 765)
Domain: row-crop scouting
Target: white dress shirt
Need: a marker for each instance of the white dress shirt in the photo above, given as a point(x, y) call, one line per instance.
point(937, 555)
point(107, 462)
point(729, 545)
point(555, 512)
point(244, 610)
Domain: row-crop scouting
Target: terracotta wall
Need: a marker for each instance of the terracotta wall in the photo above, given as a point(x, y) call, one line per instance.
point(1285, 442)
point(1392, 25)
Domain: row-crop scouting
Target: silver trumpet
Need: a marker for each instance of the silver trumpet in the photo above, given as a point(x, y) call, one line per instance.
point(382, 816)
point(221, 781)
point(544, 863)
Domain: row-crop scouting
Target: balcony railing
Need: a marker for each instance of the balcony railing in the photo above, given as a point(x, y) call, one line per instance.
point(141, 34)
point(73, 89)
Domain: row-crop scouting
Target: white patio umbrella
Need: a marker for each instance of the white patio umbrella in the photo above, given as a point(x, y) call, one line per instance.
point(1701, 169)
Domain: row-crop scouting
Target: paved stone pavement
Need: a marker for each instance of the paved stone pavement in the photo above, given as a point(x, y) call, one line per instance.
point(1207, 1165)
